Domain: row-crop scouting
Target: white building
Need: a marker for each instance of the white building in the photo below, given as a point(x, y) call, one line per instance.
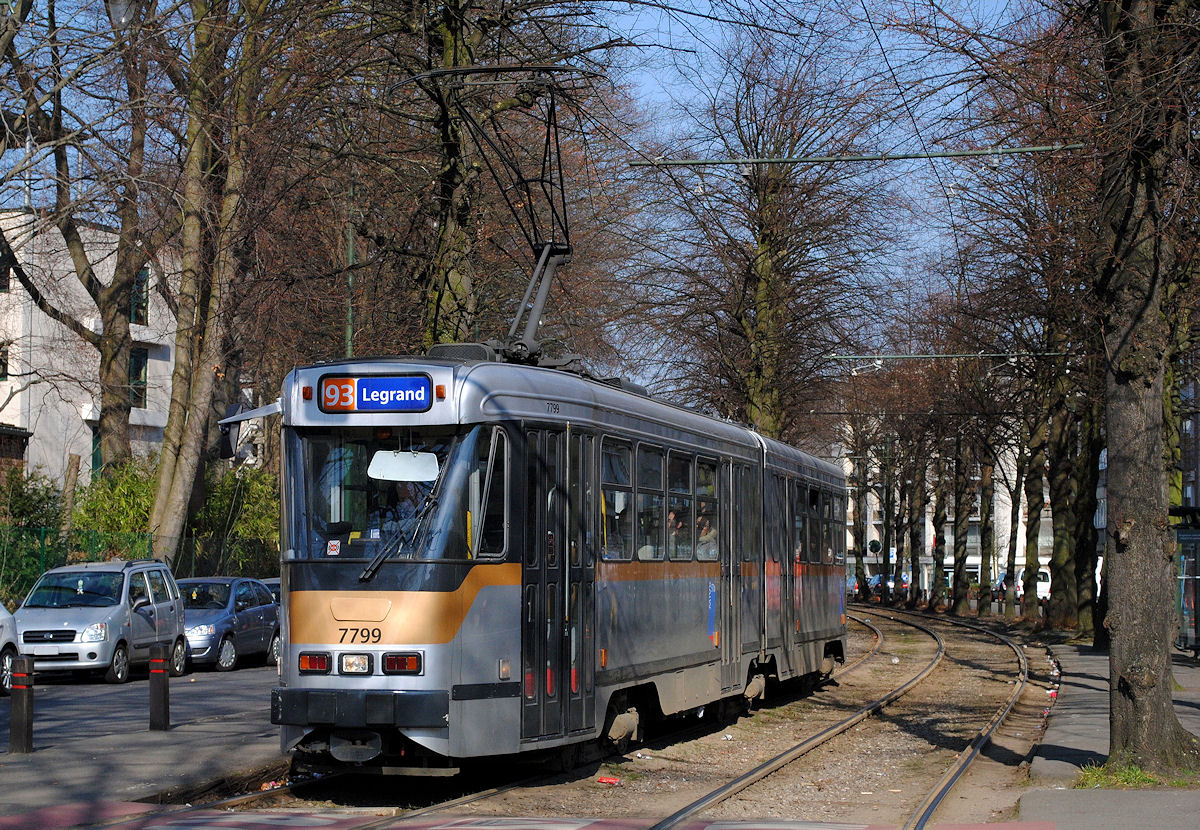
point(49, 376)
point(1002, 511)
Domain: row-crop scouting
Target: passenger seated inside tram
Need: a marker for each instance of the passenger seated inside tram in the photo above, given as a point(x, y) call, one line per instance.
point(679, 537)
point(706, 538)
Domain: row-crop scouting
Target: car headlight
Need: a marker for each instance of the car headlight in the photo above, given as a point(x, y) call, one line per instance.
point(202, 630)
point(94, 633)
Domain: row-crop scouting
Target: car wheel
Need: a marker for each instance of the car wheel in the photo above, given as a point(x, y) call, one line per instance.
point(178, 658)
point(118, 669)
point(7, 659)
point(226, 655)
point(273, 650)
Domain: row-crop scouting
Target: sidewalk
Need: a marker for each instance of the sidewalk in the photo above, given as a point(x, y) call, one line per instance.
point(99, 778)
point(1077, 735)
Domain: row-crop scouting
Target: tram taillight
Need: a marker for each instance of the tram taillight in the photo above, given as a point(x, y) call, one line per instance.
point(404, 663)
point(314, 663)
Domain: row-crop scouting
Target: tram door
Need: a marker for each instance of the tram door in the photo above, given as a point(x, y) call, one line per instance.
point(731, 580)
point(558, 680)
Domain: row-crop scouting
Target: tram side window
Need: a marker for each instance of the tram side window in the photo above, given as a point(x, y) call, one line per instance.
point(578, 508)
point(839, 530)
point(777, 518)
point(488, 487)
point(708, 514)
point(650, 540)
point(826, 527)
point(680, 521)
point(799, 521)
point(616, 500)
point(751, 510)
point(587, 511)
point(814, 525)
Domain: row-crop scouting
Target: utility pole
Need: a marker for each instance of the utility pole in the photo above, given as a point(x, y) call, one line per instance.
point(350, 272)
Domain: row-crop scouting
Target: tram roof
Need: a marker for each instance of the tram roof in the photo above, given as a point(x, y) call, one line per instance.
point(482, 391)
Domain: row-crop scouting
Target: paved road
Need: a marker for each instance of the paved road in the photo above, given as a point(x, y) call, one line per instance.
point(66, 708)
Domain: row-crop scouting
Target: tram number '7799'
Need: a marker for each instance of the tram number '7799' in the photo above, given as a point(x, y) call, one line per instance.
point(360, 635)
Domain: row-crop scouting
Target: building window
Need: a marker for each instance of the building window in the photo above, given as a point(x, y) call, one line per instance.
point(97, 457)
point(139, 298)
point(4, 362)
point(138, 358)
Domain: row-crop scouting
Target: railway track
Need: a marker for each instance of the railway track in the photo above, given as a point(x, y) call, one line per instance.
point(891, 653)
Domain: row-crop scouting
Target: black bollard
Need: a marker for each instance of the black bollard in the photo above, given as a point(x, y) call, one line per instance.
point(160, 692)
point(20, 728)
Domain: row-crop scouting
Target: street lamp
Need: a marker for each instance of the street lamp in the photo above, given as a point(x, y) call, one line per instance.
point(122, 12)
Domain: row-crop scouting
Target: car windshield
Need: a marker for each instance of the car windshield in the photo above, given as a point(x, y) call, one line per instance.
point(204, 594)
point(76, 590)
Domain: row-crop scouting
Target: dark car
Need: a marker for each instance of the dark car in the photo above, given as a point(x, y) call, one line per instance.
point(272, 583)
point(875, 584)
point(227, 617)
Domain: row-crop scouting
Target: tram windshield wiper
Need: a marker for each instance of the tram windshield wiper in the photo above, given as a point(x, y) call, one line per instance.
point(396, 542)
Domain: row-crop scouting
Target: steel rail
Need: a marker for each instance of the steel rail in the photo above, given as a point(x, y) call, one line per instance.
point(924, 811)
point(783, 759)
point(682, 735)
point(247, 798)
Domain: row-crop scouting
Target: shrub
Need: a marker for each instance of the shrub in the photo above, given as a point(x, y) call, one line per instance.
point(29, 500)
point(119, 502)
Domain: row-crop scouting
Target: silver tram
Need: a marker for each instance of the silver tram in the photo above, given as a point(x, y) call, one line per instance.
point(485, 559)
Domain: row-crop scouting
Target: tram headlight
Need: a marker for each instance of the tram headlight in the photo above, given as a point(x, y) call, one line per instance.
point(354, 664)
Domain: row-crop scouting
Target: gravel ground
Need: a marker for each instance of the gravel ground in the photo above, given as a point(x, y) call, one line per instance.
point(876, 772)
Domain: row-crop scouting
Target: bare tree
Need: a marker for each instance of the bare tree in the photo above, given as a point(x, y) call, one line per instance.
point(761, 269)
point(1144, 190)
point(91, 104)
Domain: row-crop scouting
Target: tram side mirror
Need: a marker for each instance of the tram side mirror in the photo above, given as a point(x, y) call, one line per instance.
point(228, 441)
point(403, 465)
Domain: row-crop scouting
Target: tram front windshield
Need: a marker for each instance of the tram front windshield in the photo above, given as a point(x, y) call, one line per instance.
point(428, 493)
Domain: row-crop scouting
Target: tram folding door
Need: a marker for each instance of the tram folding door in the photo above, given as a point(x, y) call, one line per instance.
point(731, 585)
point(557, 585)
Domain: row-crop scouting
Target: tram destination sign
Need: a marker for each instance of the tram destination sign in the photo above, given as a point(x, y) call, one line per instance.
point(378, 393)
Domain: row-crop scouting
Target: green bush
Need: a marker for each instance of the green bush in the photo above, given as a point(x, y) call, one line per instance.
point(119, 502)
point(242, 503)
point(29, 500)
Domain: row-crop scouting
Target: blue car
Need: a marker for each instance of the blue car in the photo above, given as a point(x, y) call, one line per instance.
point(228, 617)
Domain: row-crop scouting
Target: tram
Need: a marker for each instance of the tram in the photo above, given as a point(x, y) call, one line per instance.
point(483, 558)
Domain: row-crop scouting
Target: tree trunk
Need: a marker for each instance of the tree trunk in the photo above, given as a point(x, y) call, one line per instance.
point(1086, 536)
point(903, 508)
point(192, 270)
point(937, 591)
point(1035, 501)
point(1061, 609)
point(987, 535)
point(1014, 534)
point(963, 504)
point(1144, 46)
point(916, 528)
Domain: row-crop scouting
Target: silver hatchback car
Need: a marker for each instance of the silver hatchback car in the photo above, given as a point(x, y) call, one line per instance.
point(102, 616)
point(8, 649)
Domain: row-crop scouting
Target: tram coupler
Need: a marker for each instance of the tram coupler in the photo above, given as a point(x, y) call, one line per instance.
point(756, 689)
point(624, 726)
